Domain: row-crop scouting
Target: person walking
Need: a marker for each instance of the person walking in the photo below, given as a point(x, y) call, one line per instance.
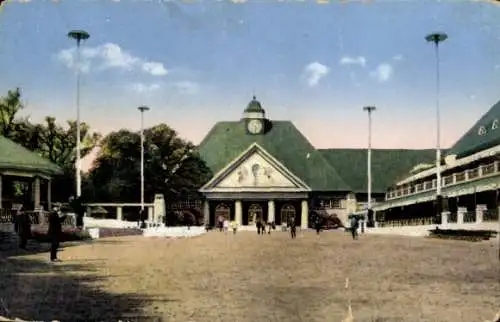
point(293, 227)
point(317, 224)
point(23, 227)
point(55, 230)
point(354, 223)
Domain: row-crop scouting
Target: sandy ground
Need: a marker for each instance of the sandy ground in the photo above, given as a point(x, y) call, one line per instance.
point(246, 277)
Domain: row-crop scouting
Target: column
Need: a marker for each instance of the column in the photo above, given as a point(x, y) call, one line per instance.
point(238, 212)
point(304, 223)
point(88, 213)
point(480, 213)
point(270, 211)
point(444, 218)
point(150, 214)
point(206, 212)
point(0, 191)
point(461, 211)
point(36, 190)
point(119, 213)
point(49, 195)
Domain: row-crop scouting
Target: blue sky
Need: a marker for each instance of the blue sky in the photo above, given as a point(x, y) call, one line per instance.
point(316, 64)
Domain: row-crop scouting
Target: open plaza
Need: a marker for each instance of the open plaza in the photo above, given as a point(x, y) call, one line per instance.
point(250, 277)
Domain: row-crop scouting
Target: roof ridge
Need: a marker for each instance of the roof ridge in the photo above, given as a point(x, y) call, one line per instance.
point(328, 164)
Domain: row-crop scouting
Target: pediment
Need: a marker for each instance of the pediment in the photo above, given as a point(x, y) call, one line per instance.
point(255, 170)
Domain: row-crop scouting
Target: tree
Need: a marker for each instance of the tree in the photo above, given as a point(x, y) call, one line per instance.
point(172, 166)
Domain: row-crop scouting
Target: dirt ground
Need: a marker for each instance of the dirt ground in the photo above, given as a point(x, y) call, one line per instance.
point(252, 278)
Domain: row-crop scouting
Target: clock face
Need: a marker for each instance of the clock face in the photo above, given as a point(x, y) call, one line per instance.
point(254, 126)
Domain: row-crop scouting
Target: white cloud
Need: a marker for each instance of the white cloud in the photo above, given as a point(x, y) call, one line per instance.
point(186, 87)
point(145, 88)
point(398, 57)
point(108, 56)
point(314, 72)
point(383, 72)
point(347, 60)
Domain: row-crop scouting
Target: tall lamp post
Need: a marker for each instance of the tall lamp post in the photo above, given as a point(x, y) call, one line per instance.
point(79, 36)
point(437, 38)
point(369, 109)
point(142, 109)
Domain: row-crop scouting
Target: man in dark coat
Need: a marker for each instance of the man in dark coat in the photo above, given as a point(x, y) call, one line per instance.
point(55, 231)
point(293, 227)
point(318, 223)
point(23, 227)
point(78, 209)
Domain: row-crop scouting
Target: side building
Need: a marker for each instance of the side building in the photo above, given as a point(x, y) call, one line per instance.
point(470, 175)
point(268, 169)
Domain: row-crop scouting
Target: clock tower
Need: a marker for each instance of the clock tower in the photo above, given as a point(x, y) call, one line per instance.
point(254, 117)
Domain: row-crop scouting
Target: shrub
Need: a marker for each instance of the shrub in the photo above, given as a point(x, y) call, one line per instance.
point(462, 234)
point(68, 234)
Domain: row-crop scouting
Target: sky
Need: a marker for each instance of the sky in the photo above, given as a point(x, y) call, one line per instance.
point(198, 63)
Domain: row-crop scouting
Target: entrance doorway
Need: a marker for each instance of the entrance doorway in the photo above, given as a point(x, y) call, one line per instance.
point(287, 212)
point(255, 212)
point(222, 210)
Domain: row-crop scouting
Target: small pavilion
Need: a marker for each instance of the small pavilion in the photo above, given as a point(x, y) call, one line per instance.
point(25, 170)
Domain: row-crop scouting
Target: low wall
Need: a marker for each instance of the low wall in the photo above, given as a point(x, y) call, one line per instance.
point(174, 231)
point(108, 223)
point(424, 229)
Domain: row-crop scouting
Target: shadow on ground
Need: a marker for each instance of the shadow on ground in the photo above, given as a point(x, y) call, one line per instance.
point(31, 289)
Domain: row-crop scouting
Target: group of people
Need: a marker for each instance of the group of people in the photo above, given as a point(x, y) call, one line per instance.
point(224, 224)
point(22, 226)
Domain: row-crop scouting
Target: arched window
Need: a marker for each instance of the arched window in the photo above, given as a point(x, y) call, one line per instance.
point(287, 212)
point(222, 210)
point(255, 213)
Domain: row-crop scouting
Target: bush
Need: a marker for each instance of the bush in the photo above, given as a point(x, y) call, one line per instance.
point(462, 234)
point(68, 234)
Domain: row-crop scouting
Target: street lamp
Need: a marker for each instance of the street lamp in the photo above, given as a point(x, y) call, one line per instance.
point(79, 36)
point(437, 38)
point(142, 109)
point(369, 109)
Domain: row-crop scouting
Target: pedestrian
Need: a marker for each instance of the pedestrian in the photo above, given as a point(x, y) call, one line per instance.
point(23, 227)
point(234, 227)
point(226, 225)
point(259, 226)
point(354, 226)
point(263, 226)
point(220, 223)
point(318, 224)
point(55, 230)
point(293, 227)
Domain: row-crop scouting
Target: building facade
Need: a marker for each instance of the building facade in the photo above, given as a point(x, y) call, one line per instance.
point(470, 175)
point(267, 169)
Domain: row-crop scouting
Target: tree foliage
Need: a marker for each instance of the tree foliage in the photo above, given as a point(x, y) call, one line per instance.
point(171, 166)
point(48, 139)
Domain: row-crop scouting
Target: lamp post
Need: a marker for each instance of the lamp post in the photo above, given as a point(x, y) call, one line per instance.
point(79, 36)
point(437, 38)
point(369, 109)
point(142, 109)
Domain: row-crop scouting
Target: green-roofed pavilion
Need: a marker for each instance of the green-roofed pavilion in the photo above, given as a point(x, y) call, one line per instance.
point(20, 164)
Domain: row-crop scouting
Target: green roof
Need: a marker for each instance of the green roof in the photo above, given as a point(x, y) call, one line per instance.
point(388, 165)
point(483, 135)
point(15, 157)
point(254, 106)
point(227, 140)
